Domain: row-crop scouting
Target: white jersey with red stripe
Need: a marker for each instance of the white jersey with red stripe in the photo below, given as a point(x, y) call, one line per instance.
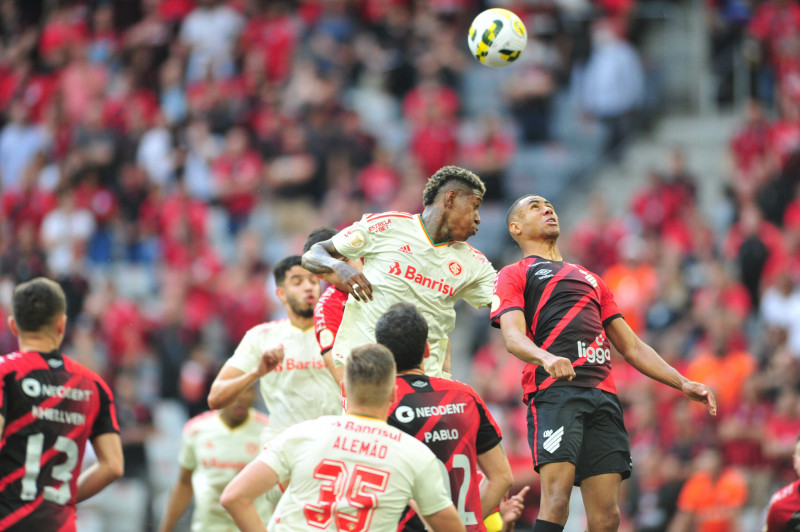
point(352, 473)
point(301, 387)
point(403, 264)
point(215, 453)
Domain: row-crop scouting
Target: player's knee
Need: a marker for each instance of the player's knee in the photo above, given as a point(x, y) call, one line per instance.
point(557, 506)
point(605, 521)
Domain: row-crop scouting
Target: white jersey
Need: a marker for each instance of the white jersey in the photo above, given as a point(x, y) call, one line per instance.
point(216, 453)
point(301, 387)
point(352, 473)
point(403, 264)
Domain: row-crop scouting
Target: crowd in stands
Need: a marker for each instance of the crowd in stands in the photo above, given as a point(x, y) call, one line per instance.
point(158, 156)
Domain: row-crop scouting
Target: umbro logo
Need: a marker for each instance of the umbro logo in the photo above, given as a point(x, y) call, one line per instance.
point(552, 439)
point(406, 249)
point(419, 384)
point(543, 273)
point(54, 363)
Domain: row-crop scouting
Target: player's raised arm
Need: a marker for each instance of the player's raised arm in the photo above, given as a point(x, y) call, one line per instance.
point(179, 500)
point(231, 381)
point(645, 359)
point(324, 258)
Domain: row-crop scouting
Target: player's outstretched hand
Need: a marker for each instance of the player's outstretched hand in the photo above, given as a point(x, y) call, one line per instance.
point(270, 360)
point(559, 368)
point(353, 282)
point(701, 393)
point(511, 507)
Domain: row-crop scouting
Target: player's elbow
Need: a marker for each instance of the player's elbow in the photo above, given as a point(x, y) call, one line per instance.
point(215, 398)
point(231, 500)
point(116, 469)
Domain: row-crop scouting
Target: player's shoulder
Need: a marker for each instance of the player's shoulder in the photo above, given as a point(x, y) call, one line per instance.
point(517, 268)
point(200, 422)
point(259, 417)
point(331, 294)
point(381, 222)
point(76, 368)
point(786, 492)
point(17, 361)
point(476, 254)
point(268, 327)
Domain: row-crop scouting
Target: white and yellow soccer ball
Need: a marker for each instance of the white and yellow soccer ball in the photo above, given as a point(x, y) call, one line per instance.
point(497, 37)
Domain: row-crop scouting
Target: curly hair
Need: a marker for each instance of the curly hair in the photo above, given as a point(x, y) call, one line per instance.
point(447, 174)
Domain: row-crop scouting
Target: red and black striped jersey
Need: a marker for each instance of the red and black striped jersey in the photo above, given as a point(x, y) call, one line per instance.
point(784, 510)
point(453, 421)
point(51, 405)
point(566, 308)
point(328, 314)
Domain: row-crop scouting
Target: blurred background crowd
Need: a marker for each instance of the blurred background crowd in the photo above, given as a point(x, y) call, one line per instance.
point(158, 156)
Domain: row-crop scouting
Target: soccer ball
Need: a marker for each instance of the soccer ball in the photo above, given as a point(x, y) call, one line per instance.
point(497, 37)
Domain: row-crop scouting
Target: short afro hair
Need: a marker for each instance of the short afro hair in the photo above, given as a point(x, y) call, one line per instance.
point(448, 174)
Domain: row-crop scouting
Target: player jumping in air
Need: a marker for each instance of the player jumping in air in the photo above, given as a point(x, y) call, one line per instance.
point(562, 320)
point(421, 259)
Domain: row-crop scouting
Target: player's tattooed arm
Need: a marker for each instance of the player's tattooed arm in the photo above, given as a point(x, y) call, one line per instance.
point(324, 258)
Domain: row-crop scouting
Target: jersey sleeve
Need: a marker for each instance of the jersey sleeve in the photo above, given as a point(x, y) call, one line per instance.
point(488, 431)
point(429, 489)
point(106, 420)
point(480, 291)
point(354, 241)
point(187, 457)
point(247, 354)
point(3, 401)
point(278, 451)
point(608, 305)
point(327, 318)
point(509, 293)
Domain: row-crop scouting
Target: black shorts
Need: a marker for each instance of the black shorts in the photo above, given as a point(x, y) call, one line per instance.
point(583, 426)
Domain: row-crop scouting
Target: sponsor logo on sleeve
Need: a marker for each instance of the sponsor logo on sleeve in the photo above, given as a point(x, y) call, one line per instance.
point(356, 239)
point(325, 338)
point(379, 227)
